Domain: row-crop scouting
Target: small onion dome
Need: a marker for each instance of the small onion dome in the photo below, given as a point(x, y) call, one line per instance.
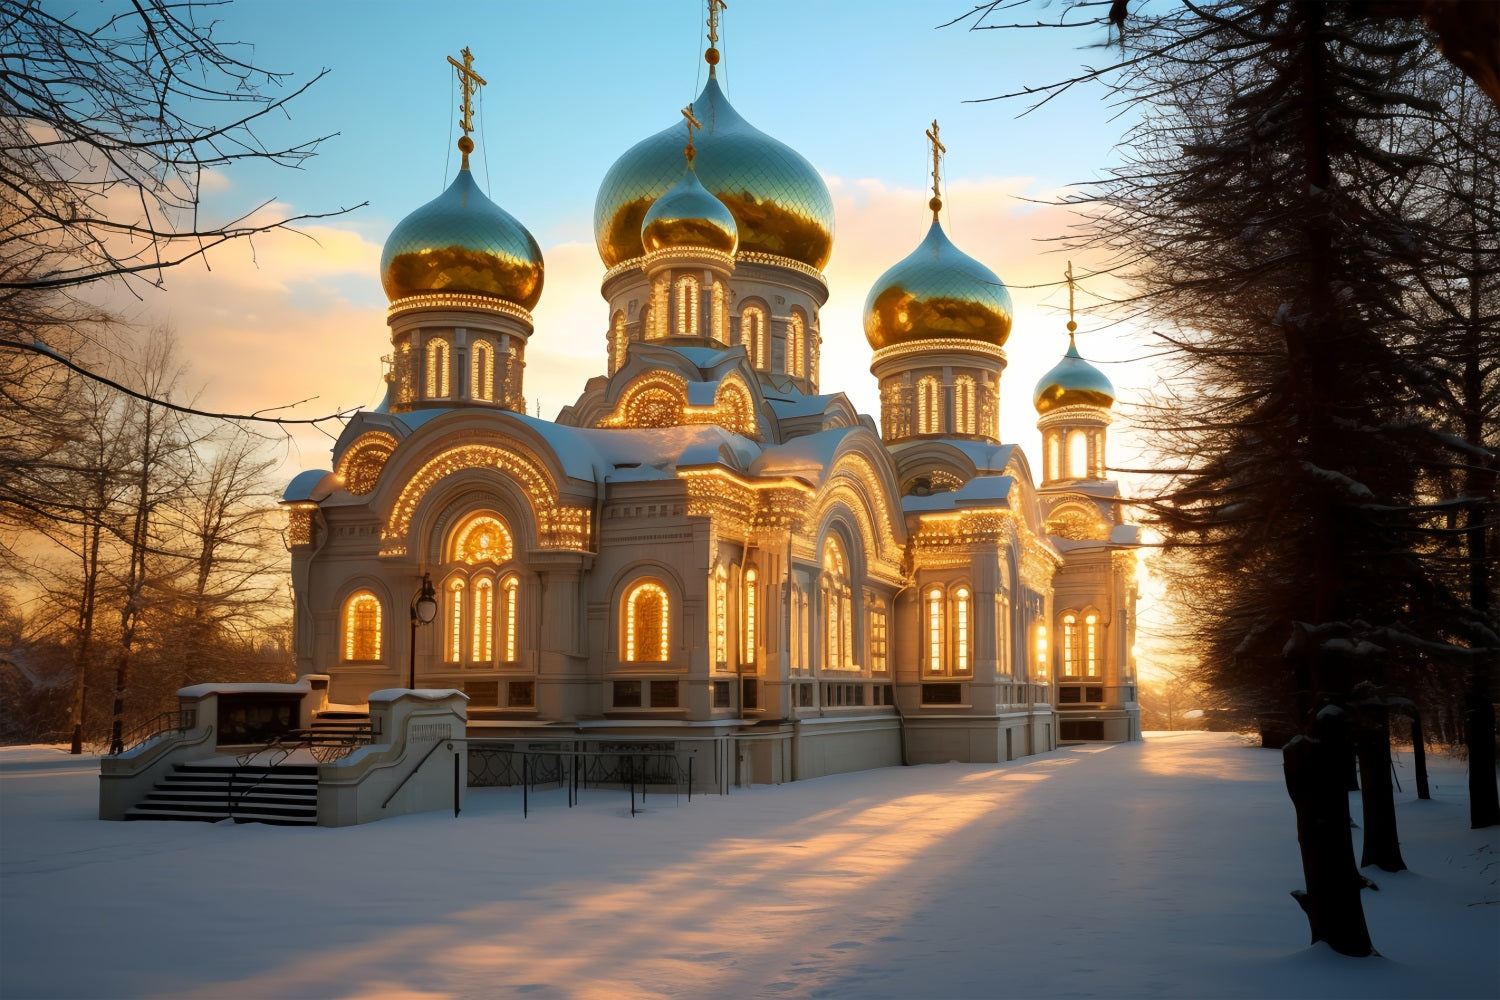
point(778, 200)
point(937, 292)
point(688, 216)
point(462, 242)
point(1072, 382)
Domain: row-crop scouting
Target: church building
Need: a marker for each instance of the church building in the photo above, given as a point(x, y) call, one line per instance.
point(710, 543)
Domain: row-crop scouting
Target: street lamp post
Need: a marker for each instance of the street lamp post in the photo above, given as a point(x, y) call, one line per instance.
point(424, 609)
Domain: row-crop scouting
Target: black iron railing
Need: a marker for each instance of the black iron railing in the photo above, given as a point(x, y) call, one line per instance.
point(179, 720)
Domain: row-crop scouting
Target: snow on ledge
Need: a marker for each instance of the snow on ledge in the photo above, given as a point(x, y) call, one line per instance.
point(385, 695)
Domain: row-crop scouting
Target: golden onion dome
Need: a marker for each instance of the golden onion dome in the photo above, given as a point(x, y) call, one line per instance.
point(778, 200)
point(1072, 382)
point(462, 242)
point(688, 216)
point(937, 292)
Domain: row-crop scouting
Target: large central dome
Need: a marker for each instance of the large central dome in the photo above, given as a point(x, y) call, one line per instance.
point(778, 200)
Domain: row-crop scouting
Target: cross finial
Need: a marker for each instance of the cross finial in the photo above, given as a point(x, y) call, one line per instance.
point(692, 123)
point(712, 55)
point(1071, 324)
point(937, 150)
point(469, 81)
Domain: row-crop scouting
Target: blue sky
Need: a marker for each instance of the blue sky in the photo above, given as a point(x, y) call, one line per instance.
point(571, 86)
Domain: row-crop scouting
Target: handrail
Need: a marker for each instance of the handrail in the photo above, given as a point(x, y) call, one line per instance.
point(177, 720)
point(414, 770)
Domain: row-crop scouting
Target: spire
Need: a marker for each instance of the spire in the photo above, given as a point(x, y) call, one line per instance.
point(712, 55)
point(1072, 326)
point(937, 150)
point(469, 81)
point(692, 123)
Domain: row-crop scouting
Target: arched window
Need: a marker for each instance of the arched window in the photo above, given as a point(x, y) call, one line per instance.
point(838, 617)
point(510, 591)
point(963, 404)
point(453, 648)
point(1069, 643)
point(753, 335)
point(362, 632)
point(646, 635)
point(935, 630)
point(748, 600)
point(962, 619)
point(482, 370)
point(482, 538)
point(721, 620)
point(1078, 455)
point(687, 307)
point(1091, 645)
point(619, 341)
point(929, 405)
point(1041, 652)
point(878, 640)
point(720, 311)
point(437, 369)
point(482, 646)
point(794, 347)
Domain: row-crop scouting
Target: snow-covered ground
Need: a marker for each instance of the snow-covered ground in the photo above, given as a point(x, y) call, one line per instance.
point(1155, 869)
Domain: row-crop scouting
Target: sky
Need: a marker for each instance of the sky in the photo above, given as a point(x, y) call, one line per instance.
point(1153, 869)
point(571, 86)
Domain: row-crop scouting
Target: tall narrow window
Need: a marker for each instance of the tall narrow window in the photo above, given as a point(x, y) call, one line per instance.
point(721, 620)
point(935, 630)
point(1078, 455)
point(482, 645)
point(794, 347)
point(963, 404)
point(961, 615)
point(619, 342)
point(510, 590)
point(453, 648)
point(646, 638)
point(1041, 652)
point(720, 312)
point(748, 598)
point(929, 405)
point(437, 369)
point(1069, 639)
point(838, 640)
point(482, 374)
point(753, 335)
point(1091, 646)
point(877, 640)
point(362, 614)
point(687, 307)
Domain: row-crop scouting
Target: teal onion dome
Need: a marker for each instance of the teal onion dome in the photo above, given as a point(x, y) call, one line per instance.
point(461, 242)
point(937, 293)
point(689, 216)
point(1073, 382)
point(779, 202)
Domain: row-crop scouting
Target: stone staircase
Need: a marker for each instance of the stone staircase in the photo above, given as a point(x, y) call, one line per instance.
point(283, 795)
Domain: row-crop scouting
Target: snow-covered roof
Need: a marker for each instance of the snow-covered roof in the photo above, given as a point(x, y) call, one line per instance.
point(981, 491)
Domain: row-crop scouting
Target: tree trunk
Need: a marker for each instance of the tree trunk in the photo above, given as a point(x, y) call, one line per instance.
point(1382, 845)
point(1315, 781)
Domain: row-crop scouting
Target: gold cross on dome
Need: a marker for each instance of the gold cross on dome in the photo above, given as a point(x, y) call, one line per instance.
point(714, 6)
point(469, 81)
point(937, 150)
point(1069, 275)
point(692, 123)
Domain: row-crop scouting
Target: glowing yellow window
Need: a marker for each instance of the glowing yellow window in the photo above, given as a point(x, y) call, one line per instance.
point(646, 632)
point(483, 644)
point(437, 369)
point(362, 620)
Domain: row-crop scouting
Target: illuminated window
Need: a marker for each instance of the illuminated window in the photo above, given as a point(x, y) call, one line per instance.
point(838, 638)
point(453, 648)
point(721, 620)
point(483, 642)
point(687, 307)
point(1041, 652)
point(963, 404)
point(646, 639)
point(482, 370)
point(1078, 455)
point(619, 341)
point(929, 405)
point(753, 332)
point(1091, 646)
point(362, 615)
point(720, 311)
point(1068, 636)
point(482, 538)
point(935, 630)
point(510, 591)
point(749, 599)
point(961, 616)
point(878, 640)
point(794, 347)
point(437, 369)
